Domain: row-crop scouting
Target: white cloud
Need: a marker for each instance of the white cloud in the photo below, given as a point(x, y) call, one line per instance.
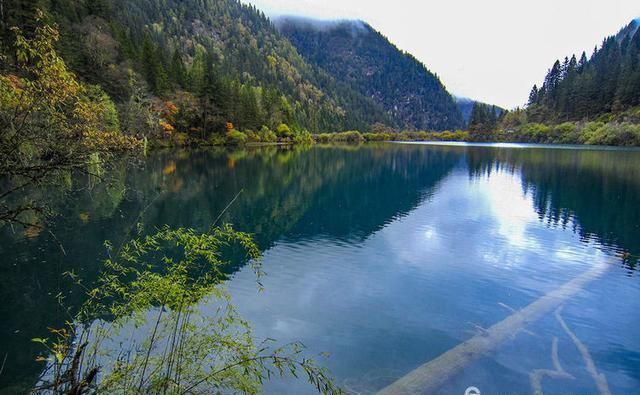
point(492, 50)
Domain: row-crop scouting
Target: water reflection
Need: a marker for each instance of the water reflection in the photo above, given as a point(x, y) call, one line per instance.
point(372, 252)
point(595, 192)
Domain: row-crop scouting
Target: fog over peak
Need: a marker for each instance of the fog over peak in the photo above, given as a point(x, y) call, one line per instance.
point(479, 49)
point(320, 25)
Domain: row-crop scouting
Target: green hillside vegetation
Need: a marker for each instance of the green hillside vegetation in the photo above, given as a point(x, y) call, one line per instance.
point(185, 70)
point(354, 53)
point(592, 101)
point(579, 89)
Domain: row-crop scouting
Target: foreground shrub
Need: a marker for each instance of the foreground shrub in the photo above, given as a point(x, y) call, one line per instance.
point(51, 123)
point(155, 286)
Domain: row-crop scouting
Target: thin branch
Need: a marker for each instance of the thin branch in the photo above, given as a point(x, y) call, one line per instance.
point(226, 208)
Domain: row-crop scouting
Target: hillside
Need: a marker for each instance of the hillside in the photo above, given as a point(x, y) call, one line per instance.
point(472, 110)
point(465, 105)
point(356, 54)
point(218, 61)
point(585, 88)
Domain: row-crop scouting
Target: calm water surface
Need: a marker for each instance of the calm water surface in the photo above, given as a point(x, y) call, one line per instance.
point(384, 256)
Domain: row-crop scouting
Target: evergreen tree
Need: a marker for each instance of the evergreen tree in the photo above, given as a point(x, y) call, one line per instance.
point(178, 71)
point(533, 96)
point(153, 68)
point(586, 88)
point(484, 117)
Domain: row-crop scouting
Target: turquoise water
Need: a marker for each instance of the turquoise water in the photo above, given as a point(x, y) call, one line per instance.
point(384, 256)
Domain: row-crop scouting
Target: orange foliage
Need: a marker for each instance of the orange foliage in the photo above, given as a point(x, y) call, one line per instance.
point(167, 111)
point(167, 128)
point(33, 231)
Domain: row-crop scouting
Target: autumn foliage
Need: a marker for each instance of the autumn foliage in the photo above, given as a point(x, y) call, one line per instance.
point(50, 121)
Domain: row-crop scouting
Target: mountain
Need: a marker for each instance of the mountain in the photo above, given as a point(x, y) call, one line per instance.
point(585, 88)
point(465, 105)
point(219, 61)
point(629, 30)
point(475, 112)
point(356, 54)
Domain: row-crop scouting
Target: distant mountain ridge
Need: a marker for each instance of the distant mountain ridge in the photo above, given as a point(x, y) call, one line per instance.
point(630, 29)
point(356, 54)
point(465, 105)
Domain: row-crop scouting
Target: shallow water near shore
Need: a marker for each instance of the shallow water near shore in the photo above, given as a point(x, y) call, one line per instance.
point(384, 256)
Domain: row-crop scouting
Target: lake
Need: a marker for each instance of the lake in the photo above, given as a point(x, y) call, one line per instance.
point(385, 256)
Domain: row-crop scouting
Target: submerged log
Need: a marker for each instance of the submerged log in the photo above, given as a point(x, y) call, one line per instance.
point(429, 377)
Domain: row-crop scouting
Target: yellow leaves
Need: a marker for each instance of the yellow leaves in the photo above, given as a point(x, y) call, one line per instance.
point(13, 81)
point(85, 217)
point(180, 139)
point(167, 128)
point(166, 112)
point(170, 109)
point(12, 94)
point(170, 168)
point(95, 140)
point(177, 185)
point(32, 231)
point(273, 62)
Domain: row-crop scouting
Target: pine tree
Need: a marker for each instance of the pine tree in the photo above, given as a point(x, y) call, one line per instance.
point(178, 71)
point(583, 62)
point(533, 96)
point(153, 68)
point(21, 14)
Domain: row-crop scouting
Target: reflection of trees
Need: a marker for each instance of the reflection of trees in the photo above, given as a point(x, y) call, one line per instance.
point(595, 191)
point(342, 192)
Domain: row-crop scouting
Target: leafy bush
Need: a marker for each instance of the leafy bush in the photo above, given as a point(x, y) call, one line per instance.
point(50, 122)
point(384, 136)
point(351, 136)
point(535, 132)
point(252, 136)
point(236, 137)
point(160, 280)
point(458, 135)
point(267, 135)
point(303, 137)
point(598, 133)
point(217, 139)
point(323, 137)
point(284, 131)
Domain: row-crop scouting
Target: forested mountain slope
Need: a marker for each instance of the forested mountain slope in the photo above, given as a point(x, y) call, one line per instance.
point(219, 61)
point(584, 88)
point(473, 111)
point(356, 54)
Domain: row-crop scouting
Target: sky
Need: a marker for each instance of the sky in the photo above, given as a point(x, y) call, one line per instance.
point(490, 50)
